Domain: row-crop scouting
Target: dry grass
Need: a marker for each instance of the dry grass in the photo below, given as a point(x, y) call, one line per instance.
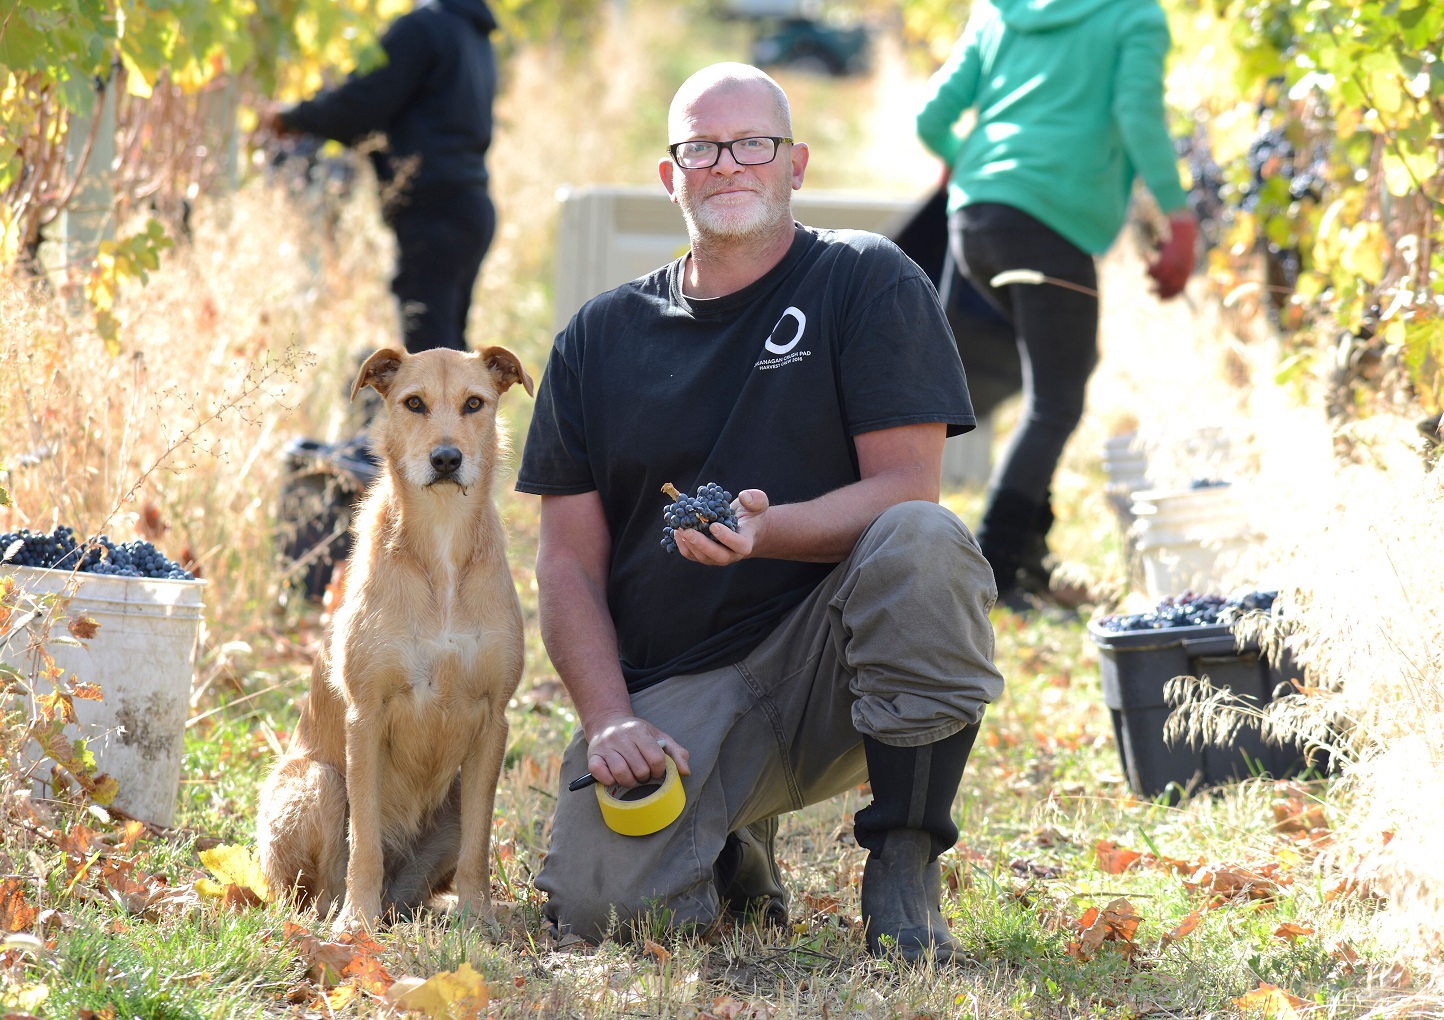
point(249, 335)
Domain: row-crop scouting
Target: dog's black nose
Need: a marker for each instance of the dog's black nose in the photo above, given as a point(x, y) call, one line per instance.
point(445, 460)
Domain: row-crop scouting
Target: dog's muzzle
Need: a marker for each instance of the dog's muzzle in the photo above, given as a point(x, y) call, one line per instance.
point(446, 462)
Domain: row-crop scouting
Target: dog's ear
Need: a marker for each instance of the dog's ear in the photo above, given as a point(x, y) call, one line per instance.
point(505, 368)
point(378, 372)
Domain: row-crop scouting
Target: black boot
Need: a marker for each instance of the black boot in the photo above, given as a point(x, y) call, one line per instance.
point(1039, 580)
point(747, 876)
point(1035, 562)
point(1008, 538)
point(907, 825)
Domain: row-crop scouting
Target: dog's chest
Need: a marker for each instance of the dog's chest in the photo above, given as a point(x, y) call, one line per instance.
point(446, 665)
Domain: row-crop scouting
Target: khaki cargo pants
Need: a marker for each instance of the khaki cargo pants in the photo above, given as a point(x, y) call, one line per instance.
point(895, 644)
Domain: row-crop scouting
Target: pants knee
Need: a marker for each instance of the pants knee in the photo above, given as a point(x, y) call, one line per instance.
point(924, 542)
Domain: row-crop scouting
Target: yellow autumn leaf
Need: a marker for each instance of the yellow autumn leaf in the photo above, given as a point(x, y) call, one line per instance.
point(137, 82)
point(24, 998)
point(1364, 251)
point(1327, 237)
point(1272, 1001)
point(436, 995)
point(342, 996)
point(232, 865)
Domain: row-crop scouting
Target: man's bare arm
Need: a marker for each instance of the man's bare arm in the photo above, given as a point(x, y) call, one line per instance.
point(896, 464)
point(573, 557)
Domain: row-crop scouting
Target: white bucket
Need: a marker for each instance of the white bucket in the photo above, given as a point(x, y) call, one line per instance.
point(143, 658)
point(1189, 539)
point(1125, 462)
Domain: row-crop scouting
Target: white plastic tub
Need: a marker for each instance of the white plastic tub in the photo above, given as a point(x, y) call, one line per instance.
point(1189, 539)
point(143, 657)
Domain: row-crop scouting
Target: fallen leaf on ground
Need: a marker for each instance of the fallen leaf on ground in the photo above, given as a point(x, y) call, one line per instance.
point(1117, 922)
point(342, 996)
point(26, 999)
point(725, 1007)
point(242, 882)
point(1184, 927)
point(1114, 859)
point(1341, 950)
point(1296, 811)
point(436, 996)
point(325, 961)
point(660, 952)
point(1228, 882)
point(1288, 931)
point(1272, 1001)
point(16, 912)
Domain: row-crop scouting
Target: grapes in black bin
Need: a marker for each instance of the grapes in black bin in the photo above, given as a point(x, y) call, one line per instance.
point(1191, 610)
point(711, 504)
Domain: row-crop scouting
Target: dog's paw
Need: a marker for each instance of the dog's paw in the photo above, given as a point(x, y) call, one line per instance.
point(474, 910)
point(355, 919)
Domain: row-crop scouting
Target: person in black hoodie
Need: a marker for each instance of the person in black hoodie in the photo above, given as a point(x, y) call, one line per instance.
point(432, 101)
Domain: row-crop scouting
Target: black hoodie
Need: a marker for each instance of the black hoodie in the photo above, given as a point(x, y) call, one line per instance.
point(432, 99)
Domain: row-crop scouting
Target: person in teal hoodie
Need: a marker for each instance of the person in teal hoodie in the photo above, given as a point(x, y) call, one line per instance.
point(1068, 97)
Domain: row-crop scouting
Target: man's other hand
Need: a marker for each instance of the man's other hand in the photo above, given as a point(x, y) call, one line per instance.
point(1173, 263)
point(730, 546)
point(627, 751)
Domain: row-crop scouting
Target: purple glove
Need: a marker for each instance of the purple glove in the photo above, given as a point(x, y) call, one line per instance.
point(1174, 261)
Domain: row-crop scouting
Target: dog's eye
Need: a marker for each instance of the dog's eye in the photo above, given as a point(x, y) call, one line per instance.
point(473, 404)
point(415, 404)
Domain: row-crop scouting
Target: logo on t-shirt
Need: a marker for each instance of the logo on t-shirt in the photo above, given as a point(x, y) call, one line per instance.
point(784, 337)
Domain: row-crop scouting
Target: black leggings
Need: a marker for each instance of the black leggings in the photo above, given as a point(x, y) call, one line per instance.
point(1057, 330)
point(441, 239)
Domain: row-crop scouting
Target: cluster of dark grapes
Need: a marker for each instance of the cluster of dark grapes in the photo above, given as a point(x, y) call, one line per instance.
point(712, 503)
point(1205, 196)
point(1191, 610)
point(61, 550)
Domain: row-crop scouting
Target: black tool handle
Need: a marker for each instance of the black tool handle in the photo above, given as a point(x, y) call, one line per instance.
point(581, 782)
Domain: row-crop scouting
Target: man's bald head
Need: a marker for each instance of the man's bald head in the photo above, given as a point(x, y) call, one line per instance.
point(723, 78)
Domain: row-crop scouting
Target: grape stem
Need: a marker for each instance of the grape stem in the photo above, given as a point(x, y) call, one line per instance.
point(671, 490)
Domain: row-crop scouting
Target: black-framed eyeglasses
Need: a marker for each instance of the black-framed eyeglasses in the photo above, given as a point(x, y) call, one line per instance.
point(699, 154)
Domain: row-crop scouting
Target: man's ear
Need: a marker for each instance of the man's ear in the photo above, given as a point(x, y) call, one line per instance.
point(665, 169)
point(800, 153)
point(379, 371)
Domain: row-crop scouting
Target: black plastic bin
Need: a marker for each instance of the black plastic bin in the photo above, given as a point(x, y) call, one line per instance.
point(1135, 666)
point(320, 489)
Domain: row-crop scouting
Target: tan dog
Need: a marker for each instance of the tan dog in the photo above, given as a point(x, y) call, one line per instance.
point(387, 791)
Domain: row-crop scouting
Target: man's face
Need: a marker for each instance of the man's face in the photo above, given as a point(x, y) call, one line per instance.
point(729, 201)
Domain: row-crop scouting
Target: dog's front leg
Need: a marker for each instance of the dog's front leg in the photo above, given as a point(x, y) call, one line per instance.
point(480, 771)
point(365, 865)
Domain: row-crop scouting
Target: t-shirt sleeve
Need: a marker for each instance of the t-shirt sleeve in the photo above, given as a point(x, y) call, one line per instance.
point(554, 461)
point(899, 362)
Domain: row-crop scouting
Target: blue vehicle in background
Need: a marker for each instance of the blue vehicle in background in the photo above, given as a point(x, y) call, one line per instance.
point(807, 45)
point(794, 34)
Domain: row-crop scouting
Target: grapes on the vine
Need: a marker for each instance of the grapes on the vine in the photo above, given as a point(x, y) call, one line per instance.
point(61, 550)
point(1191, 610)
point(711, 504)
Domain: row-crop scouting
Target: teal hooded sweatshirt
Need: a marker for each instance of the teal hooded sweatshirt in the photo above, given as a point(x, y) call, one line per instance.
point(1069, 100)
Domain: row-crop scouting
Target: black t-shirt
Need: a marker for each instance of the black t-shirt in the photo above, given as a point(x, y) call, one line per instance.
point(761, 389)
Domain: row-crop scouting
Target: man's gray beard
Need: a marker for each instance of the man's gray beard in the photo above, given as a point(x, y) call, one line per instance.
point(776, 210)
